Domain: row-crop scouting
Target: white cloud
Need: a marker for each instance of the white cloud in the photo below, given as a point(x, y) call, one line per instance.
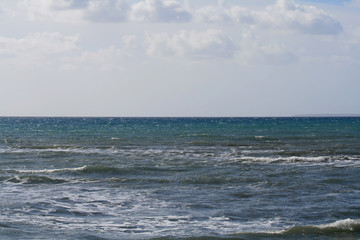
point(6, 12)
point(107, 10)
point(130, 42)
point(253, 51)
point(354, 3)
point(36, 47)
point(38, 43)
point(211, 43)
point(286, 14)
point(77, 10)
point(159, 11)
point(349, 44)
point(241, 15)
point(58, 11)
point(219, 15)
point(110, 58)
point(212, 14)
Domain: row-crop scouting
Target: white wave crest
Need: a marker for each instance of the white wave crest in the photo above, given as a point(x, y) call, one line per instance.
point(346, 224)
point(336, 161)
point(53, 170)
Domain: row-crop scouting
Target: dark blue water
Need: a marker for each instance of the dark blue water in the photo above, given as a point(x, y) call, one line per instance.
point(180, 178)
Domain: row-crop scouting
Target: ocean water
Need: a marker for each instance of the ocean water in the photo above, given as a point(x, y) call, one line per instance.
point(180, 178)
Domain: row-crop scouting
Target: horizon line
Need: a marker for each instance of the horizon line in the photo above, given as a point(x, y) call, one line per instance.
point(109, 116)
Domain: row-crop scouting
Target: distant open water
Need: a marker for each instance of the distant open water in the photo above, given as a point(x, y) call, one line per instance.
point(180, 178)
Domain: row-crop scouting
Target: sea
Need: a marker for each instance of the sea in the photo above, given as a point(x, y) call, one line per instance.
point(180, 178)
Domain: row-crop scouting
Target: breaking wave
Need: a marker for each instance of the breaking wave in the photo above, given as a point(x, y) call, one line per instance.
point(337, 161)
point(31, 179)
point(50, 170)
point(346, 225)
point(341, 229)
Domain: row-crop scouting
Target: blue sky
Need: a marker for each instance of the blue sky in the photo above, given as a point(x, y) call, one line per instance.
point(179, 57)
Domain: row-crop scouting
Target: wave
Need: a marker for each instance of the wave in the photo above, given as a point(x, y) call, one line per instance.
point(221, 155)
point(41, 176)
point(83, 169)
point(57, 149)
point(50, 170)
point(186, 165)
point(346, 225)
point(31, 179)
point(341, 228)
point(337, 161)
point(99, 169)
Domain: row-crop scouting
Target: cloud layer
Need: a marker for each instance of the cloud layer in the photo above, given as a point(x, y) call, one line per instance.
point(284, 14)
point(36, 47)
point(159, 11)
point(287, 14)
point(211, 43)
point(179, 57)
point(196, 32)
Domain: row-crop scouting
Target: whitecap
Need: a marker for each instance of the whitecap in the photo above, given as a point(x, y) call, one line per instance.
point(335, 161)
point(345, 224)
point(51, 170)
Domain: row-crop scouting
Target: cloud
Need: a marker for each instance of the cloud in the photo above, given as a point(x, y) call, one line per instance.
point(212, 14)
point(130, 42)
point(211, 43)
point(286, 14)
point(69, 4)
point(54, 10)
point(38, 43)
point(247, 50)
point(106, 59)
point(241, 15)
point(350, 47)
point(107, 10)
point(5, 11)
point(36, 47)
point(283, 15)
point(220, 15)
point(159, 11)
point(353, 3)
point(77, 10)
point(253, 51)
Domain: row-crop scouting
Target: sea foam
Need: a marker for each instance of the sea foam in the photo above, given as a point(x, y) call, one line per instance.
point(52, 170)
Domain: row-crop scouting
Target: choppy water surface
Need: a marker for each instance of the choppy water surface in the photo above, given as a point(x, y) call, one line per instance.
point(206, 178)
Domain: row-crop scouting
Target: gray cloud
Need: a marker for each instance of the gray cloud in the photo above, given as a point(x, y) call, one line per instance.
point(69, 4)
point(159, 11)
point(107, 10)
point(125, 10)
point(283, 15)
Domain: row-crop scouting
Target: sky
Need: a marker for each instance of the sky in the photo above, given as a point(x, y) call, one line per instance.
point(179, 58)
